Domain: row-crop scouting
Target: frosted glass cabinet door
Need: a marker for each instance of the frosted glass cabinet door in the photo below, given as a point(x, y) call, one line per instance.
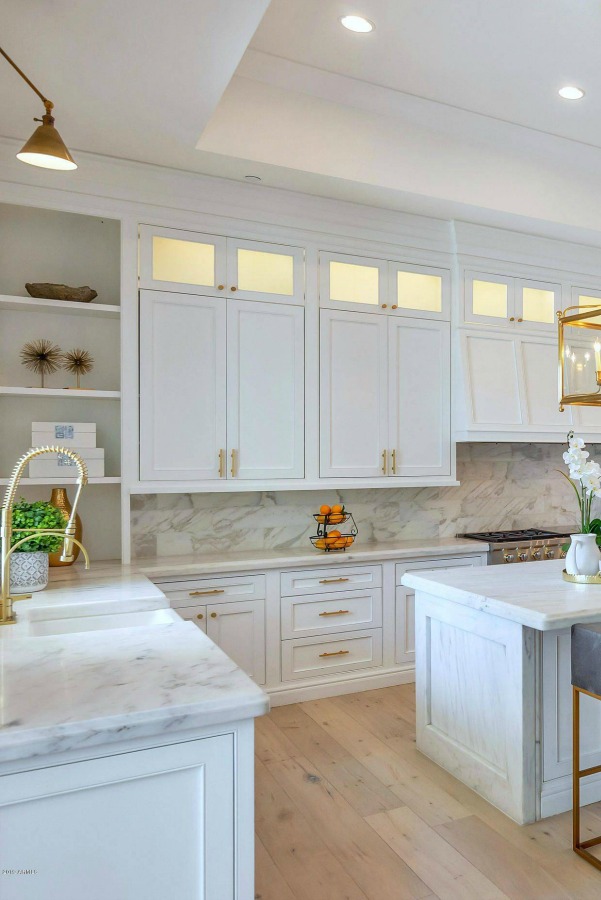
point(420, 291)
point(265, 387)
point(182, 386)
point(489, 299)
point(353, 390)
point(174, 260)
point(353, 283)
point(420, 400)
point(536, 305)
point(259, 271)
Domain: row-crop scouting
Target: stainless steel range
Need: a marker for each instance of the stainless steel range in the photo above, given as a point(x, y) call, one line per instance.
point(527, 545)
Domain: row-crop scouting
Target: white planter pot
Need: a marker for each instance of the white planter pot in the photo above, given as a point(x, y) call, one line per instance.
point(28, 572)
point(583, 556)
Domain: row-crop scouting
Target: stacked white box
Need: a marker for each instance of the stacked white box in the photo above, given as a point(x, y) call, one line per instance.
point(78, 436)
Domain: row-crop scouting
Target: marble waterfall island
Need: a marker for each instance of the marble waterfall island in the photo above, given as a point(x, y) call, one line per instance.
point(493, 682)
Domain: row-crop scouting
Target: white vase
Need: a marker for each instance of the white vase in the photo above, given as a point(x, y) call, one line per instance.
point(583, 556)
point(28, 572)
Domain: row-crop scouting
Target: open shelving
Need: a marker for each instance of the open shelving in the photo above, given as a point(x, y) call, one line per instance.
point(63, 393)
point(61, 307)
point(62, 482)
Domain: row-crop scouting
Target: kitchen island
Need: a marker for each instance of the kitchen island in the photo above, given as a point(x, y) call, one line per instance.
point(493, 682)
point(126, 750)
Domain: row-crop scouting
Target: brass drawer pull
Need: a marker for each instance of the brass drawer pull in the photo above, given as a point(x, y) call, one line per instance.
point(384, 462)
point(333, 580)
point(393, 462)
point(233, 456)
point(204, 593)
point(338, 653)
point(200, 616)
point(341, 612)
point(222, 463)
point(213, 615)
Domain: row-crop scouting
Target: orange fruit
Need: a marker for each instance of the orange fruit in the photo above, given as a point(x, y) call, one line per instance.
point(349, 540)
point(325, 510)
point(320, 544)
point(340, 543)
point(320, 518)
point(334, 534)
point(337, 508)
point(336, 518)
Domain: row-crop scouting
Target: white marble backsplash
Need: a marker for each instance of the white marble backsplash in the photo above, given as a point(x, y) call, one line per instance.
point(502, 486)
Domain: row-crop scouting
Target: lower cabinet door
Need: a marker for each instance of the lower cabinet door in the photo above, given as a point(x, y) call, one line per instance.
point(195, 614)
point(155, 823)
point(239, 629)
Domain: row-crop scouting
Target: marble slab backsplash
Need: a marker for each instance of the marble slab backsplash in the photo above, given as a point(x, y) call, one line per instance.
point(502, 486)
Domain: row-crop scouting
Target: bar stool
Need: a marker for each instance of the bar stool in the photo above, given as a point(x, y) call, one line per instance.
point(586, 679)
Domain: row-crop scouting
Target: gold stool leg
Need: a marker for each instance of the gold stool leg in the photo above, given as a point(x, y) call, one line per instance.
point(580, 847)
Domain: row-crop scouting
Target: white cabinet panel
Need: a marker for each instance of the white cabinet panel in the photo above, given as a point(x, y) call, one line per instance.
point(182, 261)
point(239, 629)
point(353, 390)
point(182, 386)
point(420, 398)
point(97, 829)
point(326, 655)
point(318, 581)
point(195, 614)
point(492, 375)
point(539, 365)
point(265, 387)
point(259, 271)
point(344, 611)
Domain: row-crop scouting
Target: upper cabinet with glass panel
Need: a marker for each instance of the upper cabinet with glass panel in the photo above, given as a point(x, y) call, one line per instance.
point(194, 263)
point(511, 302)
point(380, 286)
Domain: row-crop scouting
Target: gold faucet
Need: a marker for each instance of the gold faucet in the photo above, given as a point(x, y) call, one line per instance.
point(7, 616)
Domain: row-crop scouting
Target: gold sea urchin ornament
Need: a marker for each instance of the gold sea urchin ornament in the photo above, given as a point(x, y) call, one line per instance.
point(42, 357)
point(79, 361)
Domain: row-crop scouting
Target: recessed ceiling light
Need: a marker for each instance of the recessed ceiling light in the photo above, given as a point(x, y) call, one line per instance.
point(570, 92)
point(357, 23)
point(255, 179)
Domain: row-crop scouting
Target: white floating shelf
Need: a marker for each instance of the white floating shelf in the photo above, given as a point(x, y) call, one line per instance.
point(109, 479)
point(69, 394)
point(63, 307)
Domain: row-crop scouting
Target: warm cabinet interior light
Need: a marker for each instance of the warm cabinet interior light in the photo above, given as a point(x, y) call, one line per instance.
point(357, 23)
point(570, 92)
point(45, 147)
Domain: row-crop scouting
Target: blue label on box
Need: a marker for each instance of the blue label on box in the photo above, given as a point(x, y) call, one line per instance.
point(63, 431)
point(64, 460)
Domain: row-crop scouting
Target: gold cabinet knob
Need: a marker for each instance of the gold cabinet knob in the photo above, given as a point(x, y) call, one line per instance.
point(520, 320)
point(220, 287)
point(200, 615)
point(233, 288)
point(384, 306)
point(395, 306)
point(512, 318)
point(213, 615)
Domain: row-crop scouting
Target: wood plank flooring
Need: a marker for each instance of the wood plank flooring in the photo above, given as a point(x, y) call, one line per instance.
point(347, 809)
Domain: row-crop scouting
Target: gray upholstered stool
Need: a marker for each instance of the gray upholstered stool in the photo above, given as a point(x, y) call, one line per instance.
point(586, 679)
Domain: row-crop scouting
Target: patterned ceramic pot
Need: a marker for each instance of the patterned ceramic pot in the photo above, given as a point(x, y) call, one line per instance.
point(28, 572)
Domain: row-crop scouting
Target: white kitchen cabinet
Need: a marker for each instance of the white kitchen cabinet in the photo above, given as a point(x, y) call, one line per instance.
point(195, 614)
point(193, 263)
point(537, 304)
point(353, 282)
point(385, 396)
point(508, 302)
point(238, 627)
point(182, 386)
point(354, 394)
point(265, 389)
point(420, 291)
point(153, 823)
point(419, 398)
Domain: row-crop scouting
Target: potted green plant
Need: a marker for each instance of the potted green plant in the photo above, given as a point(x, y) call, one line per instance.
point(29, 562)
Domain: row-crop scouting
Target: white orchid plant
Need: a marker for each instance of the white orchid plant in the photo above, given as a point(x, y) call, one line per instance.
point(585, 478)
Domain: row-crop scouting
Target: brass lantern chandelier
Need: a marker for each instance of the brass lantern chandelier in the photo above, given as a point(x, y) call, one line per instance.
point(579, 362)
point(45, 147)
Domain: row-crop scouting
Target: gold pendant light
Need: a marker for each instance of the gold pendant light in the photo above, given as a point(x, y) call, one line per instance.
point(579, 362)
point(45, 147)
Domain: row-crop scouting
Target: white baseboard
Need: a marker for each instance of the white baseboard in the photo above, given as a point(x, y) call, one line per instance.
point(349, 683)
point(556, 795)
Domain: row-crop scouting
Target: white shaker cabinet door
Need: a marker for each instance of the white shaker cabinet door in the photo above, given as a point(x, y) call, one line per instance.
point(539, 365)
point(239, 629)
point(420, 398)
point(265, 384)
point(182, 386)
point(492, 372)
point(353, 394)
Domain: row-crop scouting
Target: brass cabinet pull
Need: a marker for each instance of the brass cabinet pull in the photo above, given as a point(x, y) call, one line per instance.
point(393, 456)
point(384, 306)
point(213, 615)
point(220, 287)
point(204, 593)
point(333, 580)
point(383, 462)
point(200, 616)
point(395, 306)
point(520, 320)
point(233, 288)
point(338, 653)
point(222, 463)
point(340, 612)
point(512, 318)
point(233, 463)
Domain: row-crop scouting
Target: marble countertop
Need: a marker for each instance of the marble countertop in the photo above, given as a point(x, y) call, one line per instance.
point(82, 690)
point(532, 594)
point(247, 560)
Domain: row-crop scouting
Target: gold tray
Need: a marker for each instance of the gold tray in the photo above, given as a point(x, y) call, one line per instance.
point(582, 579)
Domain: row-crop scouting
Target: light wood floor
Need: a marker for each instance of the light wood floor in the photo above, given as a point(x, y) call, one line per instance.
point(347, 809)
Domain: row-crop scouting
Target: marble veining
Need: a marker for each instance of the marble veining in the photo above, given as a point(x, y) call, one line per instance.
point(502, 486)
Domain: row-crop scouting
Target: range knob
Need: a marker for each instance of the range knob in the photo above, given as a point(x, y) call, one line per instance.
point(537, 553)
point(523, 555)
point(549, 552)
point(508, 556)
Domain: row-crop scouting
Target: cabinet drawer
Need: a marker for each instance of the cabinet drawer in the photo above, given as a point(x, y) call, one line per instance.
point(341, 611)
point(208, 590)
point(320, 581)
point(310, 657)
point(446, 563)
point(195, 614)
